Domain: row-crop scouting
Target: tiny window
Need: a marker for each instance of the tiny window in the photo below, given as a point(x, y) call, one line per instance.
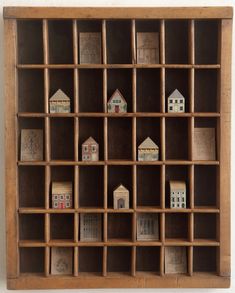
point(181, 108)
point(68, 197)
point(181, 101)
point(93, 148)
point(56, 204)
point(171, 108)
point(173, 205)
point(178, 205)
point(85, 148)
point(67, 204)
point(61, 197)
point(176, 101)
point(56, 197)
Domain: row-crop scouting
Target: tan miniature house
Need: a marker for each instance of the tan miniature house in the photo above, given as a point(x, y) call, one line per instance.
point(90, 227)
point(147, 48)
point(59, 103)
point(117, 103)
point(177, 194)
point(121, 197)
point(148, 150)
point(62, 195)
point(147, 227)
point(90, 47)
point(90, 150)
point(176, 102)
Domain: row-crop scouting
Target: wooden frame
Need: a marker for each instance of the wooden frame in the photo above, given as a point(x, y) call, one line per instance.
point(136, 123)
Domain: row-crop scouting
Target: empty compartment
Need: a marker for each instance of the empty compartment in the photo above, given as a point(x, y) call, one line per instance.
point(62, 226)
point(119, 175)
point(60, 34)
point(27, 224)
point(62, 79)
point(90, 97)
point(31, 90)
point(30, 42)
point(118, 34)
point(148, 259)
point(207, 41)
point(176, 226)
point(31, 186)
point(204, 259)
point(62, 138)
point(90, 259)
point(205, 226)
point(91, 186)
point(91, 127)
point(177, 41)
point(120, 139)
point(119, 226)
point(148, 186)
point(32, 260)
point(178, 79)
point(177, 138)
point(119, 259)
point(205, 185)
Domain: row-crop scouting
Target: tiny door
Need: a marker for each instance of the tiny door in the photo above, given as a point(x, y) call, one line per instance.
point(121, 203)
point(116, 109)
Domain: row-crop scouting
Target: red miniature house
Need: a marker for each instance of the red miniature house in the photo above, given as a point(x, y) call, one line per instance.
point(61, 195)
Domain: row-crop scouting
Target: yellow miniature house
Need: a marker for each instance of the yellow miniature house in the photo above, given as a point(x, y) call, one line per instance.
point(121, 197)
point(148, 151)
point(59, 103)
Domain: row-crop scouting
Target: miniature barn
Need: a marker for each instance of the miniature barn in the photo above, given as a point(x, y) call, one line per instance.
point(90, 150)
point(176, 102)
point(147, 227)
point(177, 194)
point(59, 102)
point(117, 103)
point(147, 48)
point(61, 195)
point(90, 227)
point(148, 150)
point(121, 197)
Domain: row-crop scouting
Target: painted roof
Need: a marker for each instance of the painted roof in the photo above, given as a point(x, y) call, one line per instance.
point(61, 187)
point(176, 95)
point(116, 92)
point(90, 140)
point(121, 188)
point(179, 185)
point(148, 144)
point(59, 95)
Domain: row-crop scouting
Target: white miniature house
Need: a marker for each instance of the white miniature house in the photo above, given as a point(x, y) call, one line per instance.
point(148, 150)
point(62, 195)
point(177, 194)
point(121, 197)
point(117, 103)
point(59, 102)
point(147, 227)
point(90, 150)
point(176, 102)
point(90, 227)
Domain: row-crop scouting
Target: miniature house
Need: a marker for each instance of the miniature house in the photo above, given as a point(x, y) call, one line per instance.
point(90, 227)
point(147, 48)
point(61, 195)
point(177, 194)
point(147, 227)
point(90, 48)
point(59, 103)
point(148, 151)
point(117, 103)
point(176, 102)
point(90, 150)
point(121, 197)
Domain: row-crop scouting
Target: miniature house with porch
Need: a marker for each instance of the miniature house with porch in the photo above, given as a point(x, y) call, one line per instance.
point(176, 102)
point(59, 102)
point(148, 151)
point(61, 195)
point(147, 227)
point(90, 227)
point(121, 197)
point(177, 194)
point(90, 150)
point(117, 103)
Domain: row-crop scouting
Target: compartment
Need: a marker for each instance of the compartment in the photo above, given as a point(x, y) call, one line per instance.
point(31, 90)
point(30, 41)
point(118, 35)
point(91, 127)
point(62, 226)
point(176, 226)
point(31, 186)
point(62, 138)
point(177, 41)
point(204, 259)
point(62, 79)
point(27, 224)
point(91, 186)
point(148, 186)
point(148, 259)
point(119, 139)
point(31, 260)
point(90, 97)
point(119, 259)
point(90, 259)
point(119, 175)
point(60, 33)
point(207, 41)
point(205, 226)
point(177, 138)
point(205, 185)
point(119, 226)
